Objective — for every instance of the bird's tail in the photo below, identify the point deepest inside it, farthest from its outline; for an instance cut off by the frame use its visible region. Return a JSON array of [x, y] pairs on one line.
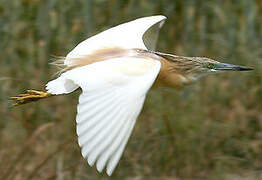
[[29, 96]]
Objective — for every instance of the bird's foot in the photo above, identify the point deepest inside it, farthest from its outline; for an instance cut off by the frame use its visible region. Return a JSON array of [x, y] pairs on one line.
[[29, 96]]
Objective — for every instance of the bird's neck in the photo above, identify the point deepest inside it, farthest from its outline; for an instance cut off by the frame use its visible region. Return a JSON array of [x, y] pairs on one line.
[[175, 80]]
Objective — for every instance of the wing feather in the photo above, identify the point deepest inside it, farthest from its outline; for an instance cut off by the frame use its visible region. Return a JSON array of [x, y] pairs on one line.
[[90, 101], [114, 130], [119, 151], [104, 128], [113, 95], [89, 117]]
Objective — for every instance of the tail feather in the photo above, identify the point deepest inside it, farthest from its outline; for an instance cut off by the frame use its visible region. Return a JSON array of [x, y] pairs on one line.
[[61, 85]]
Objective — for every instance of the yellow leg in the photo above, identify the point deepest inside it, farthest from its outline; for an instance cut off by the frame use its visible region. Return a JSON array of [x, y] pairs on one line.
[[29, 96]]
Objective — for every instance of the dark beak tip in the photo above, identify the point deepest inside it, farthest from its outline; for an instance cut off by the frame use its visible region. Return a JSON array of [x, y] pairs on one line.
[[231, 67], [243, 68]]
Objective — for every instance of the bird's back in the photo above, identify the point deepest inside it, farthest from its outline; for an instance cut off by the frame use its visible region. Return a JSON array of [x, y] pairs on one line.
[[165, 78]]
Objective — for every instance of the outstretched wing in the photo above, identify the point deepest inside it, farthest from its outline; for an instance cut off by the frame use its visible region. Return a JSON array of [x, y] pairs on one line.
[[113, 93], [141, 33]]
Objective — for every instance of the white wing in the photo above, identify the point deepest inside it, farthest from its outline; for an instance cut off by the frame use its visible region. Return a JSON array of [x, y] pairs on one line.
[[113, 95], [140, 33]]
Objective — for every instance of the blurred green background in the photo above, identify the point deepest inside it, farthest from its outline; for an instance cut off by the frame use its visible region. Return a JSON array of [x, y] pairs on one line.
[[211, 130]]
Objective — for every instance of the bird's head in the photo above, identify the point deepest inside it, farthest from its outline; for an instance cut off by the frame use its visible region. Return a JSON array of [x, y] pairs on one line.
[[199, 66]]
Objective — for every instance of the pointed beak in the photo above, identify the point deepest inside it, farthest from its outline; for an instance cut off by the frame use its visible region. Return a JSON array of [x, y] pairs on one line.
[[230, 67]]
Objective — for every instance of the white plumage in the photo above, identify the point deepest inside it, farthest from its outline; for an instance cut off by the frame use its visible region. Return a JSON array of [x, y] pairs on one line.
[[134, 34], [113, 90]]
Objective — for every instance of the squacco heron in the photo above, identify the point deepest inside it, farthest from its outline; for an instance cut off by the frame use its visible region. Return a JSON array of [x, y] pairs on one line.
[[115, 69]]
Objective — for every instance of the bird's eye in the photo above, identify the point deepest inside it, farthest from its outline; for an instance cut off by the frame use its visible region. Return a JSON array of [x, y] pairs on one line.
[[210, 66]]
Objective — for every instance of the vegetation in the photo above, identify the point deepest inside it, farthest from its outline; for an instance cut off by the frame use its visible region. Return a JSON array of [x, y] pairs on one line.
[[211, 130]]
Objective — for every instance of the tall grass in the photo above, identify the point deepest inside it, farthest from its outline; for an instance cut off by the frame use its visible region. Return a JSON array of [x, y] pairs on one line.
[[211, 130]]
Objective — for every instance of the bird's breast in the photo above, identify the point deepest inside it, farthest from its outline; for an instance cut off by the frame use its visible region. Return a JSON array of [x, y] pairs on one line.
[[169, 78], [175, 81]]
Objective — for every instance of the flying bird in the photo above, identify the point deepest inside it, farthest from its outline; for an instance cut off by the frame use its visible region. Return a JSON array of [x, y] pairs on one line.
[[115, 69]]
